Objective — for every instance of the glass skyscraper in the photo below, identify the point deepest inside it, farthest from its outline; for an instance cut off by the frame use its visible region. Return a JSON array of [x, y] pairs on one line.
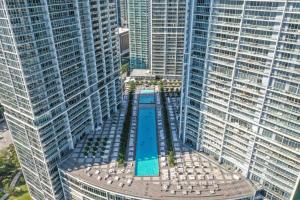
[[124, 13], [59, 80], [241, 88], [139, 33], [156, 31], [167, 38]]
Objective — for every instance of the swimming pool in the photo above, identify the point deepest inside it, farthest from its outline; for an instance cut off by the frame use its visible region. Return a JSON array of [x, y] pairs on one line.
[[147, 91], [146, 147], [145, 99]]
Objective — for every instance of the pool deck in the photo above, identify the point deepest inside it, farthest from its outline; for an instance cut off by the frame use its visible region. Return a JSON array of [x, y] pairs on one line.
[[195, 176]]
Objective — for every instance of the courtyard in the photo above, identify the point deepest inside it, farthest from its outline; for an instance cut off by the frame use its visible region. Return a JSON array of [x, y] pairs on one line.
[[191, 175]]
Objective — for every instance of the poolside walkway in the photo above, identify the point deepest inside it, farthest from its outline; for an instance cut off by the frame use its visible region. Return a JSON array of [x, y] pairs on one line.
[[160, 129], [132, 134]]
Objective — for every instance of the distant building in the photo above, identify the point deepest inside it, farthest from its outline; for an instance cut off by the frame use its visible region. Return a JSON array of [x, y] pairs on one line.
[[118, 13], [139, 33], [167, 38], [124, 44], [124, 13], [141, 74], [156, 31]]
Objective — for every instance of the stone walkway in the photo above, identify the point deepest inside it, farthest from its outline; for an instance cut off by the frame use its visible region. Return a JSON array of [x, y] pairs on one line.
[[174, 107], [160, 130]]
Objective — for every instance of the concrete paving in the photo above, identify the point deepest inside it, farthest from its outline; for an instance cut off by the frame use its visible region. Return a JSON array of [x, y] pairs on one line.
[[5, 137]]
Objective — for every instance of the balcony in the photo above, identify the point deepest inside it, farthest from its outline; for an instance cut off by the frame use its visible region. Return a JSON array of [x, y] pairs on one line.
[[216, 137], [265, 8], [226, 15], [228, 6], [233, 136], [242, 148], [265, 18], [272, 37]]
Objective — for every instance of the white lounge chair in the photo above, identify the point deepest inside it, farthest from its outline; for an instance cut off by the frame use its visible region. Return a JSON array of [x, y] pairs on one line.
[[129, 182], [165, 187], [106, 176]]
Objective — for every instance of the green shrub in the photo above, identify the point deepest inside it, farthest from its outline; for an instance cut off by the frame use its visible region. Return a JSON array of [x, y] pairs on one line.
[[126, 126], [171, 158]]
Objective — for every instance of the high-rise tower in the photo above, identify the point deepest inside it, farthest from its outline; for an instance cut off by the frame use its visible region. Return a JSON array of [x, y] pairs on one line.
[[241, 91], [124, 13], [139, 33], [167, 37], [156, 31], [59, 79]]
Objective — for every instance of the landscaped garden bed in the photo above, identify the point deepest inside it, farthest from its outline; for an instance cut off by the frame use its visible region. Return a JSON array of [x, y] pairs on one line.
[[92, 147], [126, 126], [9, 167]]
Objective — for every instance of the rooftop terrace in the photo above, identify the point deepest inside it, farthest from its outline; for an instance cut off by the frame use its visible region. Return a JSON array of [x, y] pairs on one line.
[[195, 176]]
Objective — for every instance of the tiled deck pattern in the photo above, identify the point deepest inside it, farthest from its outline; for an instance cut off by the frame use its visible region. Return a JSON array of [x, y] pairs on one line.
[[195, 176]]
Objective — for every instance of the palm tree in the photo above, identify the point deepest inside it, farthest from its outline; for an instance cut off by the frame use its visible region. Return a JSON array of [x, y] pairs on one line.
[[124, 68], [1, 111]]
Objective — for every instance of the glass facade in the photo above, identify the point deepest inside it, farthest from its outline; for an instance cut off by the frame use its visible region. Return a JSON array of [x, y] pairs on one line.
[[76, 189], [156, 31], [241, 91], [59, 79], [124, 13], [167, 37], [139, 33]]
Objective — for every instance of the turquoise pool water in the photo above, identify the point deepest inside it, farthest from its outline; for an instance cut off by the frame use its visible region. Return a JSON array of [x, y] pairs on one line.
[[145, 99], [147, 91], [146, 146]]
